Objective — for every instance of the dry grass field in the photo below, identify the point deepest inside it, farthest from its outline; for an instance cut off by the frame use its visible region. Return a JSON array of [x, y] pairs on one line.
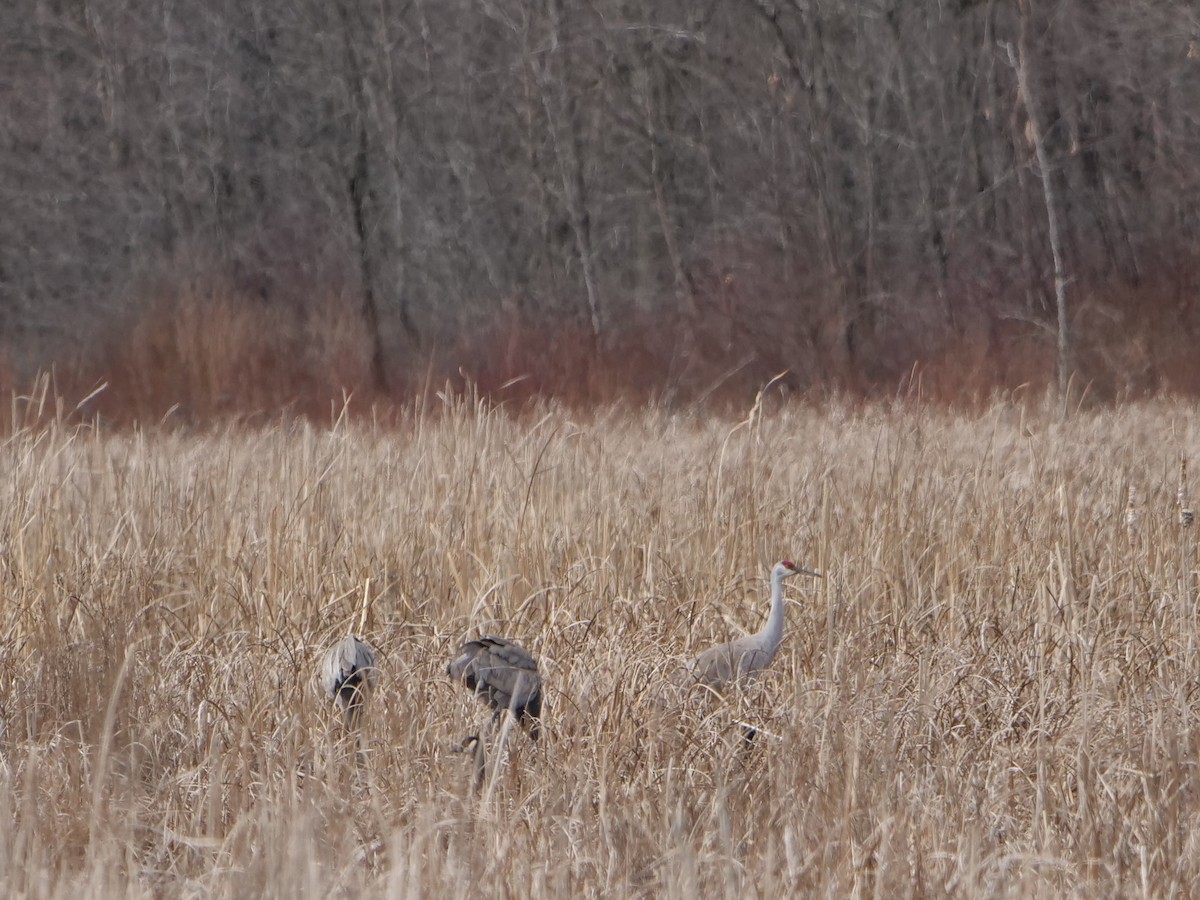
[[994, 691]]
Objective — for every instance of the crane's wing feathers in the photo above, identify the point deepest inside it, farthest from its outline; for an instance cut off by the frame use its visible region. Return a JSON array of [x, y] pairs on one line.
[[725, 663], [501, 674]]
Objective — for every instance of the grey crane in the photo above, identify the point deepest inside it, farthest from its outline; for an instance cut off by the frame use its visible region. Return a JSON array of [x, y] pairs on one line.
[[503, 676], [740, 660], [348, 673]]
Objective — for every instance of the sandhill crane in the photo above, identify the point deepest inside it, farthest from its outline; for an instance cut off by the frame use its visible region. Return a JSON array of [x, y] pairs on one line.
[[742, 659], [347, 676], [504, 677]]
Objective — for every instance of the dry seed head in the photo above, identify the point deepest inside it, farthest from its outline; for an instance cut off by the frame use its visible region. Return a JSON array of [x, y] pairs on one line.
[[1131, 516]]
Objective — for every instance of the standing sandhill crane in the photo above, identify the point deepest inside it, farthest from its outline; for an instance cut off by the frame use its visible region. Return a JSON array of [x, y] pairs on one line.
[[504, 677], [742, 659], [347, 675]]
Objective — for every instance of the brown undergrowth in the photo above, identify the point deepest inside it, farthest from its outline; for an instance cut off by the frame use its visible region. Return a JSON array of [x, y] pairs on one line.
[[221, 355]]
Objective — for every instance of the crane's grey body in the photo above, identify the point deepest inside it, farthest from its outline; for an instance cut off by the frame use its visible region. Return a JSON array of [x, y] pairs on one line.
[[503, 676], [347, 675], [740, 660]]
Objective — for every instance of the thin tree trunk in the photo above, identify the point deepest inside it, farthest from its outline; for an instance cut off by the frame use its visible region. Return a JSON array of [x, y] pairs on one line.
[[1019, 62], [658, 177], [815, 84], [935, 242], [359, 185], [564, 137]]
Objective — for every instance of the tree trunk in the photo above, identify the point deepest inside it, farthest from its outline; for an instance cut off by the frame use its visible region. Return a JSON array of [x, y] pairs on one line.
[[1019, 62], [361, 197]]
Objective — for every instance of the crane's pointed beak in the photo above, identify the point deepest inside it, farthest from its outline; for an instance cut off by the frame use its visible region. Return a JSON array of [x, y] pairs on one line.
[[813, 572]]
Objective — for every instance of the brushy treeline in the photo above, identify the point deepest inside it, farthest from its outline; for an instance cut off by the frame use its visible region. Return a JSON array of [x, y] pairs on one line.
[[693, 193], [993, 691]]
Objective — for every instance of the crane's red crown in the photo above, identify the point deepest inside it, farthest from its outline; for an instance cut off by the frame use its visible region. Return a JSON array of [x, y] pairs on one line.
[[789, 564]]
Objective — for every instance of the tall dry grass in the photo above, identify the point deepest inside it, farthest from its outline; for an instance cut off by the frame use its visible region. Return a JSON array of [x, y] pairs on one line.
[[993, 693]]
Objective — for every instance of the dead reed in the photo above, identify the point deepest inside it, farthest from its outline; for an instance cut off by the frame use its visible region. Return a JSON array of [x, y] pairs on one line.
[[993, 693]]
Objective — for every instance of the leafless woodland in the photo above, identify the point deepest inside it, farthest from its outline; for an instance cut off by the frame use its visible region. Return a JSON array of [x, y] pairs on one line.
[[686, 194]]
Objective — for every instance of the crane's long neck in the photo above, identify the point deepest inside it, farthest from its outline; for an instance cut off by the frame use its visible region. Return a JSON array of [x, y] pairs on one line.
[[772, 632]]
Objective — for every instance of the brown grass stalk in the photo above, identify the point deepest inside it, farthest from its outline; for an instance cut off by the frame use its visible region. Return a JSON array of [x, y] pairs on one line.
[[992, 693]]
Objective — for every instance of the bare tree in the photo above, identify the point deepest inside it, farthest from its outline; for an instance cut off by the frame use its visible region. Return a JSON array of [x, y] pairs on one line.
[[1019, 61], [845, 187]]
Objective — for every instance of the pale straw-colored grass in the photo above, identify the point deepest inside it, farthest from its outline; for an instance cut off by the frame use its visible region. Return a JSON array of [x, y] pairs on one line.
[[994, 691]]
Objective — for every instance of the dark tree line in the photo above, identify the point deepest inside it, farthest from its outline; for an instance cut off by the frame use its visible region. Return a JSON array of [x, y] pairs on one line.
[[853, 185]]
